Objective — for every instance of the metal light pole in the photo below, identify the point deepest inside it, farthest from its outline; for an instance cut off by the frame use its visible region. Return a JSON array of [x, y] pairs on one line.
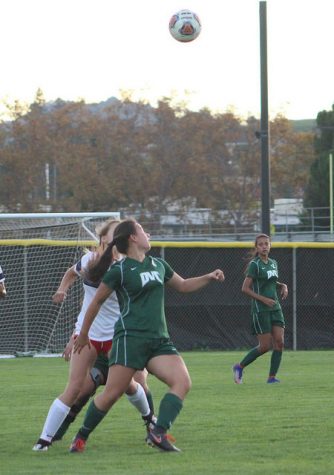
[[264, 133]]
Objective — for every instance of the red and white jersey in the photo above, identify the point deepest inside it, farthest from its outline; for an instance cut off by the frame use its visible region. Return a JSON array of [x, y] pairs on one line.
[[102, 328], [2, 277]]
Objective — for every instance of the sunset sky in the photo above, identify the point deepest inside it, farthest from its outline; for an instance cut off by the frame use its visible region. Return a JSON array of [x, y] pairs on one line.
[[92, 49]]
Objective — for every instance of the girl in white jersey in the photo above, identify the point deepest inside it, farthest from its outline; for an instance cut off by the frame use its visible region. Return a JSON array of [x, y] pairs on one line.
[[100, 336]]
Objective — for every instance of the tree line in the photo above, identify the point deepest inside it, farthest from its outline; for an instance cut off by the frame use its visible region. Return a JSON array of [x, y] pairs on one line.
[[72, 157]]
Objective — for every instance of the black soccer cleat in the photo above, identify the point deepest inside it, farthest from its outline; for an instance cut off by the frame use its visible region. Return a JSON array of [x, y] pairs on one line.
[[160, 440], [41, 446]]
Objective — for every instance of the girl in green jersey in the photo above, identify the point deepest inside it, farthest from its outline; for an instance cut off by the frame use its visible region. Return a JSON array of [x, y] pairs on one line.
[[141, 337], [260, 284]]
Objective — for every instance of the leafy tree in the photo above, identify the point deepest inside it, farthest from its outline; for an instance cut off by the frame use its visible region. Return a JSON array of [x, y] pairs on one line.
[[317, 190], [71, 156], [291, 157]]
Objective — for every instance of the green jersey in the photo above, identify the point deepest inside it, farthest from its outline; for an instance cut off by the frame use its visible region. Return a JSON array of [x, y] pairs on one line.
[[265, 276], [140, 291]]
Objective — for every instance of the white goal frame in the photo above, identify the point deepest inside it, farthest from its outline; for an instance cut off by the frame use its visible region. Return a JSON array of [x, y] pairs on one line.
[[35, 251]]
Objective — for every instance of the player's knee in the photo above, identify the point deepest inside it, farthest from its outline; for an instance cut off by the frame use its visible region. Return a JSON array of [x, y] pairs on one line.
[[141, 378], [97, 377], [279, 345], [188, 384], [264, 348], [184, 385]]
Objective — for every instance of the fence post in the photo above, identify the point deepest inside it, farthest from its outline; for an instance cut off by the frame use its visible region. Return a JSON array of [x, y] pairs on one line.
[[25, 302], [294, 299]]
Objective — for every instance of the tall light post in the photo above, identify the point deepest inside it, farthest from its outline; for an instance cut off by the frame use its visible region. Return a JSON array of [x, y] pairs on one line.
[[264, 133]]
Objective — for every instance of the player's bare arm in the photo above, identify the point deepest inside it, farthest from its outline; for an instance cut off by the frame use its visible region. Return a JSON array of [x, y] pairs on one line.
[[283, 290], [195, 283], [3, 291], [247, 289], [66, 282]]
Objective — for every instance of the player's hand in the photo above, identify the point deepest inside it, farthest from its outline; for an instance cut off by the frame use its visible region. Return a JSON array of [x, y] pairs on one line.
[[284, 291], [59, 296], [217, 274], [80, 342], [68, 349], [269, 302]]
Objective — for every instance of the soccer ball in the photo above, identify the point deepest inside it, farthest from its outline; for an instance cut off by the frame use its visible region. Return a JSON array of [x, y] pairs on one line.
[[184, 26]]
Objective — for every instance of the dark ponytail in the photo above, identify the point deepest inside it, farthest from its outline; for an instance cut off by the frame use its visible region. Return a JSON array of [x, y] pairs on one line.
[[98, 268], [121, 240]]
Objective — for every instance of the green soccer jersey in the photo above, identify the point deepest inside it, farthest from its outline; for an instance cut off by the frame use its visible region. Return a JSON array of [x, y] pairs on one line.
[[140, 291], [265, 276]]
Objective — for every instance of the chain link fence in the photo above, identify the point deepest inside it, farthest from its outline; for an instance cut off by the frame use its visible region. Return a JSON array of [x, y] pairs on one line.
[[216, 317]]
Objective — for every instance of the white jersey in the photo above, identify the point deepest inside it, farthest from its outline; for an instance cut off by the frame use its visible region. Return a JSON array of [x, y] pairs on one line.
[[2, 277], [102, 328]]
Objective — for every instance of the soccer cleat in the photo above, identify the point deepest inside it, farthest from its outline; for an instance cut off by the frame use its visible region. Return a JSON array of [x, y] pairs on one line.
[[41, 446], [149, 421], [272, 380], [237, 373], [78, 444], [161, 440]]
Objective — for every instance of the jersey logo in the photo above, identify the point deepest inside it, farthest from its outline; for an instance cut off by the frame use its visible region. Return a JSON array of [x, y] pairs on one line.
[[149, 276], [272, 273]]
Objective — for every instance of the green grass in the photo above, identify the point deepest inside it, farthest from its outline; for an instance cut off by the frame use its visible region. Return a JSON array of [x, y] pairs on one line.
[[224, 428]]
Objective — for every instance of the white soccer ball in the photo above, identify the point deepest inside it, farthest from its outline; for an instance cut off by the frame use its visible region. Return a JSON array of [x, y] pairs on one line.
[[185, 26]]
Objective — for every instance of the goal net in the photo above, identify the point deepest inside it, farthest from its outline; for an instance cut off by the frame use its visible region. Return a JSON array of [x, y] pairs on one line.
[[35, 252]]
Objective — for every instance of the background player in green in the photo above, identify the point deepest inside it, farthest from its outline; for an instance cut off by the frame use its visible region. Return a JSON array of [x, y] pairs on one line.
[[141, 337], [261, 283]]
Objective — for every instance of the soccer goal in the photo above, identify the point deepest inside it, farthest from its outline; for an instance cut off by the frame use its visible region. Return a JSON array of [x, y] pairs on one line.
[[35, 251]]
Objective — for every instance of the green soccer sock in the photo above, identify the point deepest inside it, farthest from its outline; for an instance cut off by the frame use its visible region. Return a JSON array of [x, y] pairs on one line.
[[92, 418], [169, 409], [250, 357], [275, 362], [150, 401]]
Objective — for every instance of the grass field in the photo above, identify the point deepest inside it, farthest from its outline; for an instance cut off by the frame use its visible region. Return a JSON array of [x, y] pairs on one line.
[[224, 428]]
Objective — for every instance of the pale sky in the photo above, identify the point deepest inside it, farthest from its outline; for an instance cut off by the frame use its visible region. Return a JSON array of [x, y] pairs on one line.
[[92, 49]]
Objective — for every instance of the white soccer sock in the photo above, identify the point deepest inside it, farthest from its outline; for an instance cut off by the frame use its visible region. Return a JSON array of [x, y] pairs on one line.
[[139, 400], [56, 415]]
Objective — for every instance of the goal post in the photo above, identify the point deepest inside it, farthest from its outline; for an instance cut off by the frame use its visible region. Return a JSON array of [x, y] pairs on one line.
[[35, 251]]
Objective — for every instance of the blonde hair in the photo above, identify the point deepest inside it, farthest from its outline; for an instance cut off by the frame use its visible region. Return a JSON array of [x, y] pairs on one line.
[[100, 231], [103, 228]]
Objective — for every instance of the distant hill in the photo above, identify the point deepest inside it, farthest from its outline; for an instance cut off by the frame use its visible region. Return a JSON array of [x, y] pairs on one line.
[[304, 125]]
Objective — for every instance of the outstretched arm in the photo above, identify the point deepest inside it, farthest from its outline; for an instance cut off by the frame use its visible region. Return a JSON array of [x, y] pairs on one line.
[[66, 282], [102, 293], [194, 283]]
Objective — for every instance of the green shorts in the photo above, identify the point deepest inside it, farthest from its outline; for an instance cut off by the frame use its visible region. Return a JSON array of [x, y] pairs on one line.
[[102, 364], [135, 352], [262, 322]]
